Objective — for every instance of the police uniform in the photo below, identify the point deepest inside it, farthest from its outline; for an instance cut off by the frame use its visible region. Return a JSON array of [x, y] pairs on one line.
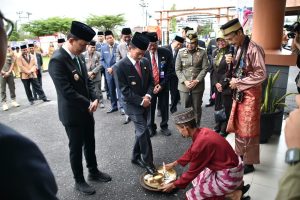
[[192, 65]]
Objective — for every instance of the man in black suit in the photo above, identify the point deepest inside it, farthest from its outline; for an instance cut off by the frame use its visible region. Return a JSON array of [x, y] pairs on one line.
[[173, 82], [24, 171], [161, 65], [39, 62], [76, 104], [134, 77]]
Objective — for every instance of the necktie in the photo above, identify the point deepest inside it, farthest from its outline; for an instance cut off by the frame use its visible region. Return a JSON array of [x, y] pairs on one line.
[[110, 50], [138, 68], [155, 70], [77, 64]]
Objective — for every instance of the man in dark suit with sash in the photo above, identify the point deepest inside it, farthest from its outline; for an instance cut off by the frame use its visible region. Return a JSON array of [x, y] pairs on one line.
[[76, 104], [134, 77]]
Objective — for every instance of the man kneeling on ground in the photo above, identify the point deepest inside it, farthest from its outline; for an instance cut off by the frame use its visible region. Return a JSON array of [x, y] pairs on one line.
[[215, 171]]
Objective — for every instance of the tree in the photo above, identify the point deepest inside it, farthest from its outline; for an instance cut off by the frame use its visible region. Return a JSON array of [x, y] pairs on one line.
[[173, 20], [15, 36], [106, 22], [204, 29], [48, 26]]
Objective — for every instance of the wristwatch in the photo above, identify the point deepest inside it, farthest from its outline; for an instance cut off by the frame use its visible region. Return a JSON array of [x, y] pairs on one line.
[[292, 156]]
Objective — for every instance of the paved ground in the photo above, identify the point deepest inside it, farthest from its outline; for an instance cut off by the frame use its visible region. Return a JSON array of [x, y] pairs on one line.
[[113, 144]]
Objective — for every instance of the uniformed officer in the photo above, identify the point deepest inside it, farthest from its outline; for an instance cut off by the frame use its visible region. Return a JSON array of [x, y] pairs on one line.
[[191, 67], [92, 60]]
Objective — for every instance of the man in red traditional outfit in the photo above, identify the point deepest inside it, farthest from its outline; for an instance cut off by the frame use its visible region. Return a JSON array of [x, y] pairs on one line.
[[248, 73], [215, 170]]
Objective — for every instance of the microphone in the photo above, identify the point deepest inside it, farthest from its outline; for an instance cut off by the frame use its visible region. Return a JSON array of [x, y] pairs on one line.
[[231, 50]]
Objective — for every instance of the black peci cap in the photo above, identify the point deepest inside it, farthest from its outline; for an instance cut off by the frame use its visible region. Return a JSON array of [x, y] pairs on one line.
[[140, 41], [31, 45], [24, 46], [187, 28], [108, 32], [179, 39], [61, 40], [152, 36], [82, 31], [126, 31], [93, 43], [100, 33]]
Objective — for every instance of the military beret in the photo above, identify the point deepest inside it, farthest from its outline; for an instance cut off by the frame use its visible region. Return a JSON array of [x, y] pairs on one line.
[[93, 43], [126, 31], [191, 37], [140, 41], [100, 33], [231, 26], [183, 116], [187, 28], [61, 40], [82, 31], [24, 46], [152, 36], [108, 32], [31, 45], [179, 39], [220, 35]]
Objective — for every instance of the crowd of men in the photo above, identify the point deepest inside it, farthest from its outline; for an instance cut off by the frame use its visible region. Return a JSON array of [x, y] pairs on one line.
[[140, 76]]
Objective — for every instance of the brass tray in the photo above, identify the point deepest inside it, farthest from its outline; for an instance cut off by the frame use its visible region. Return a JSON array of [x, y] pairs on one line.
[[155, 186]]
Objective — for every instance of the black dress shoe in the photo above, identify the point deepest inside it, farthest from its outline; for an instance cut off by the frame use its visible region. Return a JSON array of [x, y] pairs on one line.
[[152, 132], [112, 110], [99, 176], [150, 169], [31, 102], [248, 169], [127, 119], [46, 100], [84, 188], [245, 189], [165, 132], [173, 110], [209, 104], [138, 162]]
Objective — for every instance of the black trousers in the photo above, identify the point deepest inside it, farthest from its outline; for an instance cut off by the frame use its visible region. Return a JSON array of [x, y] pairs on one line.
[[39, 78], [163, 99], [142, 147], [175, 96], [212, 88], [82, 135], [36, 86]]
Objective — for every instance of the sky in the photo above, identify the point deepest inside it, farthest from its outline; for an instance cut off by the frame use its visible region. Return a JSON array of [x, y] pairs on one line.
[[133, 12]]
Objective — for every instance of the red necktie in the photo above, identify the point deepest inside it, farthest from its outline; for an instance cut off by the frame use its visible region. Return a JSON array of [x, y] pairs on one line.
[[138, 68], [155, 70]]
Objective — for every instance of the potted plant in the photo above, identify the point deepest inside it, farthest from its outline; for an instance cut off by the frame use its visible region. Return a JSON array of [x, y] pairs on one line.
[[271, 109]]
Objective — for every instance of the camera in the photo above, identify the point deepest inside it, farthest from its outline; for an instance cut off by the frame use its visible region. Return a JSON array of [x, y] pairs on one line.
[[295, 27], [225, 83]]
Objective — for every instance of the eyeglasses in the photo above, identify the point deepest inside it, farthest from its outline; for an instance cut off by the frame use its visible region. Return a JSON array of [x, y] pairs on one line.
[[7, 24]]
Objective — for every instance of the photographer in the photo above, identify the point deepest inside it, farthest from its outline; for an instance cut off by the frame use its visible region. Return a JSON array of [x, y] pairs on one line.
[[296, 50], [220, 79]]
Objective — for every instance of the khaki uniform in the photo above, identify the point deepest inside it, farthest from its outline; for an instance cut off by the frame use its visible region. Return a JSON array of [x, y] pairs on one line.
[[192, 66]]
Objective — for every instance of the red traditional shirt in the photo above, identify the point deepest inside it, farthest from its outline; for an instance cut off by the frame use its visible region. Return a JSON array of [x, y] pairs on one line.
[[208, 150]]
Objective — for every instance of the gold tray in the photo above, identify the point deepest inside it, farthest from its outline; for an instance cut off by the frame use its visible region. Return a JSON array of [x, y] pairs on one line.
[[172, 176]]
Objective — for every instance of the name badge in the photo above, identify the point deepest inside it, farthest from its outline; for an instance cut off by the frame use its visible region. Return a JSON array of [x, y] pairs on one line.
[[133, 83], [162, 74]]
